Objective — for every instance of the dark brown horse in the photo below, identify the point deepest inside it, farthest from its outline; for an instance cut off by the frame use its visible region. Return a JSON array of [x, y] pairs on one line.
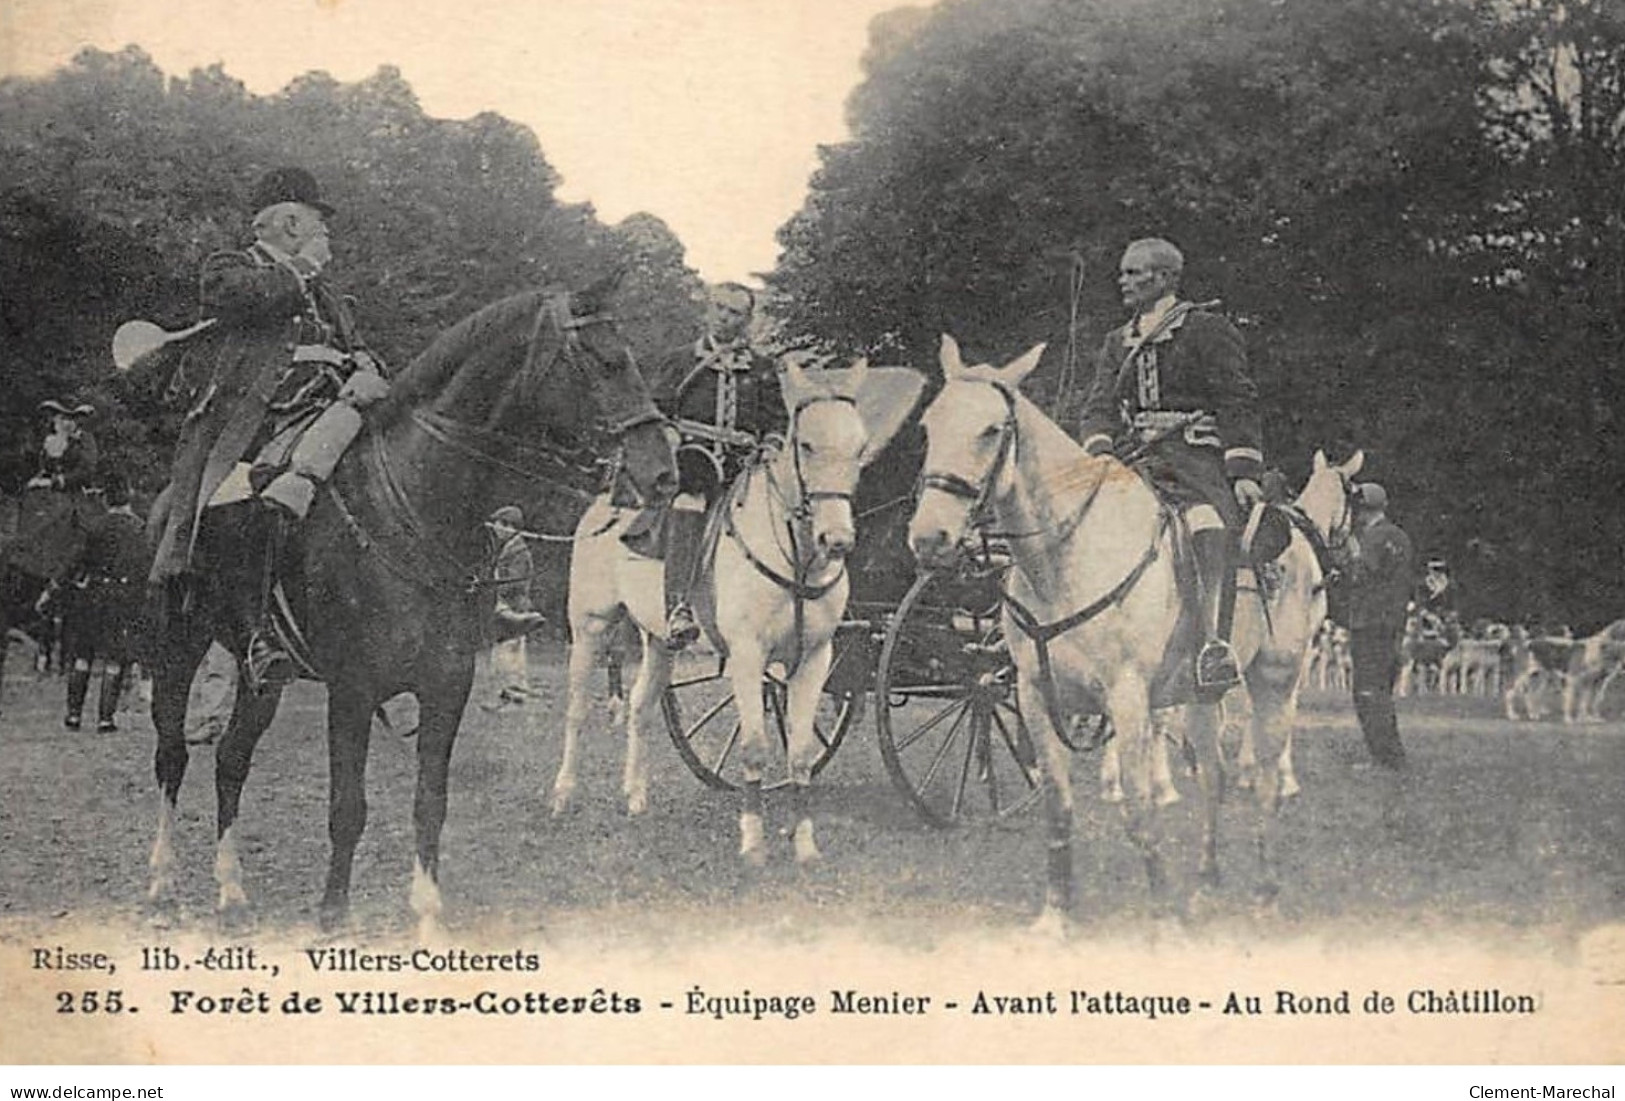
[[391, 584]]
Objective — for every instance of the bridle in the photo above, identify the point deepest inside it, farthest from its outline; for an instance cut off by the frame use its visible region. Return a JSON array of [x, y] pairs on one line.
[[564, 469], [806, 495], [979, 495], [798, 524]]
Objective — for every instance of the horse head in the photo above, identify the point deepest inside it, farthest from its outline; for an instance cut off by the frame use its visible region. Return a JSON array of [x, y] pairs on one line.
[[544, 371], [1328, 498], [970, 434], [839, 421]]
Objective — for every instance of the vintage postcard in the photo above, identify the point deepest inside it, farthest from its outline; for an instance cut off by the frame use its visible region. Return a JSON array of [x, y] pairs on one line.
[[914, 768]]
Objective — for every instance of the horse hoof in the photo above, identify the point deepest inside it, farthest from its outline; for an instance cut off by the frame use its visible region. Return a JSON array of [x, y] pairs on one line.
[[163, 913], [432, 933], [637, 805], [1051, 924], [235, 920], [754, 857], [333, 917], [561, 804]]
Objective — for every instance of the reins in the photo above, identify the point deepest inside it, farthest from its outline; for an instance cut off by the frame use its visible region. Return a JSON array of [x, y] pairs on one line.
[[480, 444], [797, 518], [980, 516]]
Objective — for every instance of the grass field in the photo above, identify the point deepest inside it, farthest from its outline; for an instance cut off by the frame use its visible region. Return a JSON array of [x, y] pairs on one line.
[[1499, 828]]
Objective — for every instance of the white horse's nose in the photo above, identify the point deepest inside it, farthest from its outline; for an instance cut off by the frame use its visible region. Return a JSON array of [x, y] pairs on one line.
[[931, 546], [836, 543]]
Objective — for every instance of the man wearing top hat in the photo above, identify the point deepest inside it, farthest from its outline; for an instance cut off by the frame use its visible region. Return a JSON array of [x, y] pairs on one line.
[[68, 454], [289, 377]]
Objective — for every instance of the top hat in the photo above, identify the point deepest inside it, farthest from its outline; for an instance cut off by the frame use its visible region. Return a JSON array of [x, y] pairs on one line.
[[289, 185]]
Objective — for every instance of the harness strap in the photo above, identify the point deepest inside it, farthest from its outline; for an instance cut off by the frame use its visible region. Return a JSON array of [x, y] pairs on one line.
[[796, 586], [1043, 634]]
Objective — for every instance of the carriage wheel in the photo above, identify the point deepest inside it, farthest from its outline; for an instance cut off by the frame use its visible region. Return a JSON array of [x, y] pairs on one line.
[[704, 723], [950, 731]]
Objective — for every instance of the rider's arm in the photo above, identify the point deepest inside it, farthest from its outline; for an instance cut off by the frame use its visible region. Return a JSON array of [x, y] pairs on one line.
[[1234, 397], [1101, 419], [234, 286]]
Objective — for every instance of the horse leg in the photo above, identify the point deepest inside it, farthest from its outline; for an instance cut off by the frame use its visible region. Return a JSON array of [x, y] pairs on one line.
[[1202, 727], [1163, 791], [746, 675], [349, 731], [586, 642], [643, 715], [801, 707], [1111, 773], [1274, 687], [441, 710], [250, 717], [1128, 703], [1055, 919], [171, 684]]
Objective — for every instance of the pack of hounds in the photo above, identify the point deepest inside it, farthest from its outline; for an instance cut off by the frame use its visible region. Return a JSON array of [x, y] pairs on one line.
[[1536, 676]]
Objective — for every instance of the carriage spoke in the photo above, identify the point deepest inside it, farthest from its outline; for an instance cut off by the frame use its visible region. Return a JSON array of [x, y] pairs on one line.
[[712, 712], [930, 724], [727, 748], [942, 750], [1020, 744], [1020, 750], [976, 735]]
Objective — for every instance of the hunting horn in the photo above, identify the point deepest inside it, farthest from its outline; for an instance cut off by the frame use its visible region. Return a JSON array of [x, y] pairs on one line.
[[135, 340]]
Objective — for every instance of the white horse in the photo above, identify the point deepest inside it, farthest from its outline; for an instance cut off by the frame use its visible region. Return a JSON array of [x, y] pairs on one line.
[[1094, 613], [774, 591]]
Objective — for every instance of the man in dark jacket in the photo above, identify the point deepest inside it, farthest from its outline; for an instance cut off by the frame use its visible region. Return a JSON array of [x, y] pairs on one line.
[[290, 376], [1379, 574], [726, 398], [103, 610], [1171, 388]]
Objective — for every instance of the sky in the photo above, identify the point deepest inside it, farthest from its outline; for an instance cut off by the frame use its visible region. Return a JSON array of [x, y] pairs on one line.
[[706, 113]]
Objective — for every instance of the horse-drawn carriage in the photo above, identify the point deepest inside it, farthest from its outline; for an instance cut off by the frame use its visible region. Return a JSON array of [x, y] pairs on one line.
[[924, 649]]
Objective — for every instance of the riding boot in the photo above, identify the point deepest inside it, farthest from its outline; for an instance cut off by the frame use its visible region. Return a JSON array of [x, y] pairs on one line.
[[78, 688], [269, 664], [107, 702], [684, 560], [1216, 668]]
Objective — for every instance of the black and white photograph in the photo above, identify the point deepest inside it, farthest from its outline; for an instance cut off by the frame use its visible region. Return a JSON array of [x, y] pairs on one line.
[[814, 532]]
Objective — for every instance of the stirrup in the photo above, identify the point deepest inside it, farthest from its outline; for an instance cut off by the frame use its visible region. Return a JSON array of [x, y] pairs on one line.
[[268, 665], [1216, 668], [682, 631]]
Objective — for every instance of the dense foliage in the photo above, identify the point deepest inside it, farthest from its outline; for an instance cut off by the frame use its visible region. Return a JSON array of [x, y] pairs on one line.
[[1413, 207], [119, 181]]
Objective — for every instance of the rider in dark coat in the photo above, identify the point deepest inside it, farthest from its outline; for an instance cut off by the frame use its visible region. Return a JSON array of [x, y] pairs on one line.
[[1173, 384], [286, 350], [723, 382]]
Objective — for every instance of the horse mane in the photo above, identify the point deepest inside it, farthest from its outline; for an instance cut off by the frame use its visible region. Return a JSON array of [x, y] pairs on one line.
[[430, 371]]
